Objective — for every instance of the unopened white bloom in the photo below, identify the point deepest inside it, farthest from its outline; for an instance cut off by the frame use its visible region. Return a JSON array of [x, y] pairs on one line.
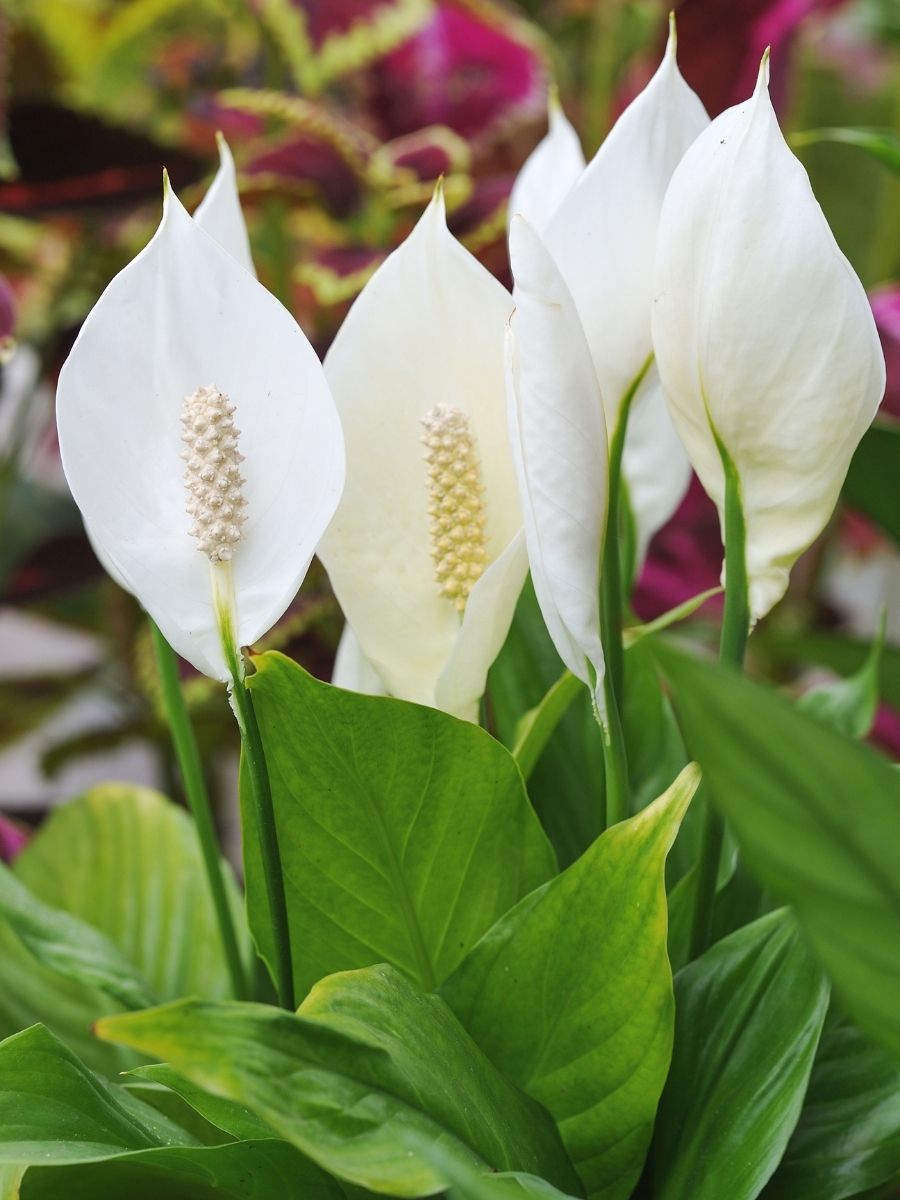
[[426, 553], [602, 236], [200, 441], [559, 440], [763, 335]]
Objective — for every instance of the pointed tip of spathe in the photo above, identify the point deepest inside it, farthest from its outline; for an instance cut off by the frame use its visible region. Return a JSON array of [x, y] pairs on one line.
[[762, 79], [554, 107], [225, 156], [672, 41]]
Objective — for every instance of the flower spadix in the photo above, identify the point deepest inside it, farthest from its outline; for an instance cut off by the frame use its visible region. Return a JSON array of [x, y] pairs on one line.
[[426, 553], [200, 441], [764, 336], [558, 433], [602, 233]]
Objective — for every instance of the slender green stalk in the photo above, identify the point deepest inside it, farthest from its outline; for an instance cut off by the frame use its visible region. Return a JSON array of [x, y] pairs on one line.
[[735, 629], [198, 801], [611, 569], [618, 790], [611, 607], [264, 813], [260, 788]]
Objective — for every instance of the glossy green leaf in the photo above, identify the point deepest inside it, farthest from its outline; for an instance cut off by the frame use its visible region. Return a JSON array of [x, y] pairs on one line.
[[882, 144], [467, 1183], [570, 994], [818, 820], [848, 1137], [536, 727], [566, 784], [68, 946], [849, 705], [366, 1064], [872, 479], [267, 1170], [229, 1116], [127, 861], [54, 1110], [404, 832], [749, 1016]]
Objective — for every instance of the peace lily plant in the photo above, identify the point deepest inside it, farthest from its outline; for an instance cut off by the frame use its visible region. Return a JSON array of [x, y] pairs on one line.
[[523, 965]]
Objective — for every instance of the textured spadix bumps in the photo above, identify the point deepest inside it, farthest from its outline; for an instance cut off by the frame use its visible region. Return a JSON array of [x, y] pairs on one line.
[[184, 315], [420, 355], [763, 336]]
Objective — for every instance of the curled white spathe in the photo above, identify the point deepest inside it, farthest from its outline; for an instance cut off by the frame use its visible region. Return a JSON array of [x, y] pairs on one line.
[[763, 336], [183, 315]]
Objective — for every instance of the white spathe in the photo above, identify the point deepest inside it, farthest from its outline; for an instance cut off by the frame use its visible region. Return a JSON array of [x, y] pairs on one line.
[[427, 330], [558, 432], [602, 236], [763, 335], [183, 315], [549, 173], [220, 214]]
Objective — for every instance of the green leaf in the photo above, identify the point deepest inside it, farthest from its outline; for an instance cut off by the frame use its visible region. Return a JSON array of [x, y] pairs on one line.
[[404, 832], [366, 1065], [232, 1118], [749, 1015], [848, 1136], [849, 705], [570, 994], [566, 785], [467, 1183], [871, 481], [238, 1171], [127, 861], [882, 144], [536, 727], [54, 1110], [818, 820], [71, 947]]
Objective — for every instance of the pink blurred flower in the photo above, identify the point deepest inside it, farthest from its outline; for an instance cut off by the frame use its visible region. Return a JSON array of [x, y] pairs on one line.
[[13, 837], [7, 312], [684, 559], [886, 307]]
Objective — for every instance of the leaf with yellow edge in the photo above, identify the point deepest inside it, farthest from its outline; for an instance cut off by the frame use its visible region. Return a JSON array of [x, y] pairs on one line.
[[570, 994]]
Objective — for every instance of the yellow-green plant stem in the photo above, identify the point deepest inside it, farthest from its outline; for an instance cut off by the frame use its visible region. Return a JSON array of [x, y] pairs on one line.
[[198, 801], [260, 790], [618, 790], [733, 641], [264, 814]]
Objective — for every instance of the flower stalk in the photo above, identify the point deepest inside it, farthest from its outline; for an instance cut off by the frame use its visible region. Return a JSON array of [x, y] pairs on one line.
[[732, 643], [198, 801]]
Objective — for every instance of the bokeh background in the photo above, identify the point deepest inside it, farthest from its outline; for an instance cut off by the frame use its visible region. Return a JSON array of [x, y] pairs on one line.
[[341, 114]]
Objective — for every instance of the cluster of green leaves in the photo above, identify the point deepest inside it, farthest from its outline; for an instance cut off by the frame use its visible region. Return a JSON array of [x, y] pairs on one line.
[[476, 1021]]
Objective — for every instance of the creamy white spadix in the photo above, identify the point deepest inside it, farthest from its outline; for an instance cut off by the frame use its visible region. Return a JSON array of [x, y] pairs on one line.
[[200, 441], [763, 335], [602, 237], [426, 553]]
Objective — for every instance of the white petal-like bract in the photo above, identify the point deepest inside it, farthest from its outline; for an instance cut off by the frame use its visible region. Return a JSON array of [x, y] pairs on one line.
[[763, 336], [558, 431], [181, 316], [220, 214], [425, 334], [549, 173]]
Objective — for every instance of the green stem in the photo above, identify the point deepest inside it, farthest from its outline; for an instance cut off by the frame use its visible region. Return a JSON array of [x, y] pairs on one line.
[[611, 567], [618, 791], [735, 629], [198, 801], [615, 758], [264, 820]]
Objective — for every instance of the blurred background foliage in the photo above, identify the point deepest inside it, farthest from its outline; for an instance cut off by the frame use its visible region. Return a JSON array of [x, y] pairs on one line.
[[341, 115]]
